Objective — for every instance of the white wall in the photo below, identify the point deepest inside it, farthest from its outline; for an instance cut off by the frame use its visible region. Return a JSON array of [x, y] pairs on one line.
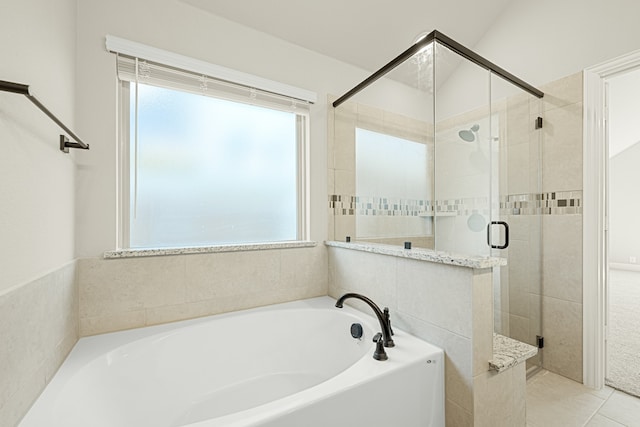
[[36, 179], [624, 205], [177, 27], [545, 40], [38, 294], [624, 157], [624, 106]]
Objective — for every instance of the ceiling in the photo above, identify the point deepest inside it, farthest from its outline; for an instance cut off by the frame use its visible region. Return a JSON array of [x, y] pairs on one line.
[[364, 33]]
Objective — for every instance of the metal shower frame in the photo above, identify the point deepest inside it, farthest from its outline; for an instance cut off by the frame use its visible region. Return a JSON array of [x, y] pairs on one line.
[[461, 50]]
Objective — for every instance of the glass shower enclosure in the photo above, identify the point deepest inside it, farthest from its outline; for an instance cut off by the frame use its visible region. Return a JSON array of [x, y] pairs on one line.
[[441, 148]]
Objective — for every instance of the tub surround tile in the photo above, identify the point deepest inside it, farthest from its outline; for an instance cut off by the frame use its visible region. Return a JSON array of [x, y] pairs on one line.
[[38, 326], [375, 277], [422, 254], [414, 290], [422, 287], [130, 284], [18, 404], [112, 322], [508, 352], [304, 268], [118, 294], [228, 274], [458, 356]]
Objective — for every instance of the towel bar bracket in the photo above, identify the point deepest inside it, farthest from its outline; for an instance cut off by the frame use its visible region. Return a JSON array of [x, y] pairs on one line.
[[65, 144]]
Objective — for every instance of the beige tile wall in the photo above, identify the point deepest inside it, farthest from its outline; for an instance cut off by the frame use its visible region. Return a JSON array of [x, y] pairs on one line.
[[118, 294], [562, 234], [448, 306], [38, 326], [500, 398]]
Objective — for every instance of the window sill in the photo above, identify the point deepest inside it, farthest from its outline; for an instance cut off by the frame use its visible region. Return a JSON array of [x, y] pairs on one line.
[[241, 247]]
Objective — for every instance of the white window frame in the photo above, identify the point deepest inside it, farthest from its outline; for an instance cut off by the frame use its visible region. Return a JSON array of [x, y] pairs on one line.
[[137, 50]]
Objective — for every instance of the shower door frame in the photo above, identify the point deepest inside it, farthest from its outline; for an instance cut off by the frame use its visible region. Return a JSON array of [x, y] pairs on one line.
[[453, 45]]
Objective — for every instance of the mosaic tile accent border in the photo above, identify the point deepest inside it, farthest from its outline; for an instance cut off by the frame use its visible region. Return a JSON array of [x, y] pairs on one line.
[[379, 206], [553, 203]]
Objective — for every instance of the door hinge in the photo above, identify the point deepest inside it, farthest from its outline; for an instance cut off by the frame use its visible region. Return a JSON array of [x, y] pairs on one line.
[[539, 123], [540, 341]]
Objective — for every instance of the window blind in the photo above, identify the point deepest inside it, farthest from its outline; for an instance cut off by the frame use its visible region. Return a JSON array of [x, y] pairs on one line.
[[138, 70]]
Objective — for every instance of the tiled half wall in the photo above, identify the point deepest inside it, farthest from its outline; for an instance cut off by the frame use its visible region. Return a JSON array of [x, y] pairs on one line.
[[38, 326]]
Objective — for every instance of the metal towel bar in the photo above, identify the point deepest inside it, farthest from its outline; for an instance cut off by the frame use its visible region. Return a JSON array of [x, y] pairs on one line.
[[65, 144]]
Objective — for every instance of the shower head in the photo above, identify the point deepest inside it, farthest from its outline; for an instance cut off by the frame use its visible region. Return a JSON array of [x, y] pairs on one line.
[[469, 135]]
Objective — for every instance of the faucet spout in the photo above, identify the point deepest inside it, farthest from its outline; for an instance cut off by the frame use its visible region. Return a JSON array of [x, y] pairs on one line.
[[383, 318]]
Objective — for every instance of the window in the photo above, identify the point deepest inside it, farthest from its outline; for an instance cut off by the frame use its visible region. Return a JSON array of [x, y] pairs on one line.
[[393, 187], [206, 162]]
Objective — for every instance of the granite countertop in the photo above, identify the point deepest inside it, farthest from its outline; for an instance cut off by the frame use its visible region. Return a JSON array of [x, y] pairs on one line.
[[422, 254], [508, 352]]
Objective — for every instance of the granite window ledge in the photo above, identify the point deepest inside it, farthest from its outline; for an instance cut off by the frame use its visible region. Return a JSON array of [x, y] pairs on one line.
[[241, 247]]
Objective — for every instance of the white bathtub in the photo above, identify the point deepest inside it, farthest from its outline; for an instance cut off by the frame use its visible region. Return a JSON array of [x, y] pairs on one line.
[[293, 364]]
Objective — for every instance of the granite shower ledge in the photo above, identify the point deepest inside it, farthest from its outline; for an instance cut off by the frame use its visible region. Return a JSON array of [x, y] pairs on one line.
[[134, 253], [508, 352], [422, 254]]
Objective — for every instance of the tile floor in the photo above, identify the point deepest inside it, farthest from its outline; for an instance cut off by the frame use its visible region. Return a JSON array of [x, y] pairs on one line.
[[555, 401]]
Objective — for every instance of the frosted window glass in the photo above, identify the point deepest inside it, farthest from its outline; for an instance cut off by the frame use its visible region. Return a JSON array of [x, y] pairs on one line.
[[210, 171], [387, 166], [392, 172]]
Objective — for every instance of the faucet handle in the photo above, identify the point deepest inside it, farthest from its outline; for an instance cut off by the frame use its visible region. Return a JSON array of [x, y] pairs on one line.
[[387, 319], [379, 353]]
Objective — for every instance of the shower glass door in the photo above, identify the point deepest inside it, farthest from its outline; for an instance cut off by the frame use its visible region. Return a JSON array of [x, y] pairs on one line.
[[516, 189]]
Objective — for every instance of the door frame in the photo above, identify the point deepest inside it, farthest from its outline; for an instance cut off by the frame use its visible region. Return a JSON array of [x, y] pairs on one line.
[[594, 229]]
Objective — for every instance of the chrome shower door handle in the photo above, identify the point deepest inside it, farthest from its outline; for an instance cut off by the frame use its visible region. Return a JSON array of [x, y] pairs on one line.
[[506, 234]]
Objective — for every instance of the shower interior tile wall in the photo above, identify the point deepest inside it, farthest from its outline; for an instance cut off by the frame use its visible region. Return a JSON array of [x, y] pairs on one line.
[[120, 294], [38, 326], [562, 234]]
